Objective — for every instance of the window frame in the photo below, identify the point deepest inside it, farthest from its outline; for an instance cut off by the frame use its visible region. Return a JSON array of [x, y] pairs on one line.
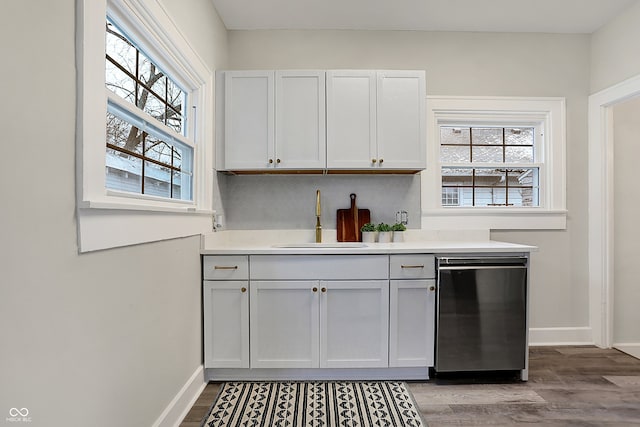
[[546, 112], [537, 147], [110, 218]]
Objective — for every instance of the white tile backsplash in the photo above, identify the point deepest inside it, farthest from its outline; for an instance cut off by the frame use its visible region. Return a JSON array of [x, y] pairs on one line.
[[288, 201]]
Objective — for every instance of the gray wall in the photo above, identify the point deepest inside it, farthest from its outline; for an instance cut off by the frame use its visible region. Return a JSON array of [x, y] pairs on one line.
[[615, 52], [456, 64], [626, 118], [105, 338]]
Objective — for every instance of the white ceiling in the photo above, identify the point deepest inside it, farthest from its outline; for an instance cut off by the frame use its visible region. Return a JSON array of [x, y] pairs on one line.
[[548, 16]]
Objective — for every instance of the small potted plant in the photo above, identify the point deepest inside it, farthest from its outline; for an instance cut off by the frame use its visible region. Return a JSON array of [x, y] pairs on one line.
[[384, 232], [368, 232], [398, 231]]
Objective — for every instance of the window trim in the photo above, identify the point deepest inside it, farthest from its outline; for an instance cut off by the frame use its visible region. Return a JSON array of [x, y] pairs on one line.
[[108, 218], [550, 111]]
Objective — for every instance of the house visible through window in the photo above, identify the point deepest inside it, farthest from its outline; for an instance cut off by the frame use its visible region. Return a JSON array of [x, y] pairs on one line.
[[147, 148], [489, 166]]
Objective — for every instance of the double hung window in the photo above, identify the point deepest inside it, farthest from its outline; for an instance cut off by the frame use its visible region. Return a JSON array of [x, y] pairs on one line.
[[494, 162], [147, 148], [144, 134]]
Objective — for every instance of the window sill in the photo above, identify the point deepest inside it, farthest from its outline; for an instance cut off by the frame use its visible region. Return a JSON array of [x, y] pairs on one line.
[[105, 224], [494, 218], [165, 207]]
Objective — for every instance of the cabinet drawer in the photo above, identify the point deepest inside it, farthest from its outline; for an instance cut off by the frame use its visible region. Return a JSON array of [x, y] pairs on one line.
[[225, 267], [418, 266], [319, 267]]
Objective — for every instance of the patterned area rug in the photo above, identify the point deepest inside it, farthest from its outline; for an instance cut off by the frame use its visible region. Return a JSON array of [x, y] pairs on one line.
[[326, 404]]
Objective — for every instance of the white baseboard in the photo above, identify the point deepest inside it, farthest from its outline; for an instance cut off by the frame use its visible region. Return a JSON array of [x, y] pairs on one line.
[[632, 349], [180, 405], [561, 336]]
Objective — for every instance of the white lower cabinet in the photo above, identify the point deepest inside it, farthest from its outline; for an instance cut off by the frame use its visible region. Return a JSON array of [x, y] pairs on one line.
[[412, 323], [284, 324], [326, 324], [226, 324], [354, 324], [301, 312]]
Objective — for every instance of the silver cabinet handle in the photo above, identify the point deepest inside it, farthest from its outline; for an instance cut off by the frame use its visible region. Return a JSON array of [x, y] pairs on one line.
[[224, 267], [412, 266]]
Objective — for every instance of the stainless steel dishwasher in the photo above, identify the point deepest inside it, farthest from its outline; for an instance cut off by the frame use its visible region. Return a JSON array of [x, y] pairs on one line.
[[481, 322]]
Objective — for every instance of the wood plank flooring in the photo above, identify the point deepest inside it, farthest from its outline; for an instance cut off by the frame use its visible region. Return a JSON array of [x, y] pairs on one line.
[[568, 386]]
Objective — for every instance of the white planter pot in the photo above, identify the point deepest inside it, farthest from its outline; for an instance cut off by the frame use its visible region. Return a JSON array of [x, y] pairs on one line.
[[384, 236], [398, 236], [369, 236]]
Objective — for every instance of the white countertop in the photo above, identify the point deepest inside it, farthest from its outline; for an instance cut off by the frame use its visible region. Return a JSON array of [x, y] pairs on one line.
[[270, 242]]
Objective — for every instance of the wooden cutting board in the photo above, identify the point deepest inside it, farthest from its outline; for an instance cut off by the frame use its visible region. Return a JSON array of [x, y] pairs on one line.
[[350, 220]]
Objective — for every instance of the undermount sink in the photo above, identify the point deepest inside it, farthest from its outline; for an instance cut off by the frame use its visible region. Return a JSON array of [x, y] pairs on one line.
[[322, 245]]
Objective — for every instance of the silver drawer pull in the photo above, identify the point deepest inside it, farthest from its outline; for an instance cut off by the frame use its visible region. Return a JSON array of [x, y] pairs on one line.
[[412, 266], [223, 267]]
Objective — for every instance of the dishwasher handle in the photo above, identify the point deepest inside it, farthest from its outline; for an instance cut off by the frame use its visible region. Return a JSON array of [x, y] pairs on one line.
[[446, 262]]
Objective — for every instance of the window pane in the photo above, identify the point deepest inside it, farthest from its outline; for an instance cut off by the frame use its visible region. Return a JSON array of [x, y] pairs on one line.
[[452, 135], [120, 49], [175, 96], [157, 180], [487, 136], [527, 197], [123, 172], [152, 105], [490, 196], [453, 154], [159, 87], [119, 82], [157, 150], [525, 177], [122, 134], [456, 177], [486, 177], [518, 136], [181, 186], [147, 87], [177, 157], [487, 154], [518, 154]]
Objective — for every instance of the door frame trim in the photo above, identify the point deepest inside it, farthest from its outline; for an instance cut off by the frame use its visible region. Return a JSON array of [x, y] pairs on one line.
[[601, 206]]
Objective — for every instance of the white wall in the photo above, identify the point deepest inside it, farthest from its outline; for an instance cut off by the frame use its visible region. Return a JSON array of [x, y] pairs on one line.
[[615, 51], [626, 118], [474, 64], [100, 339]]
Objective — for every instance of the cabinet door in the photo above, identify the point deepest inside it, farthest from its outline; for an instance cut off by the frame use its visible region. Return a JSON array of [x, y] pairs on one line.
[[351, 119], [401, 120], [284, 324], [411, 323], [354, 324], [249, 120], [226, 324], [300, 120]]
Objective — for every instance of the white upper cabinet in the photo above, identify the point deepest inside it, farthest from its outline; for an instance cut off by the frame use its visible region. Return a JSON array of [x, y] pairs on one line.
[[363, 120], [248, 120], [401, 120], [376, 120], [273, 120], [351, 119], [300, 120]]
